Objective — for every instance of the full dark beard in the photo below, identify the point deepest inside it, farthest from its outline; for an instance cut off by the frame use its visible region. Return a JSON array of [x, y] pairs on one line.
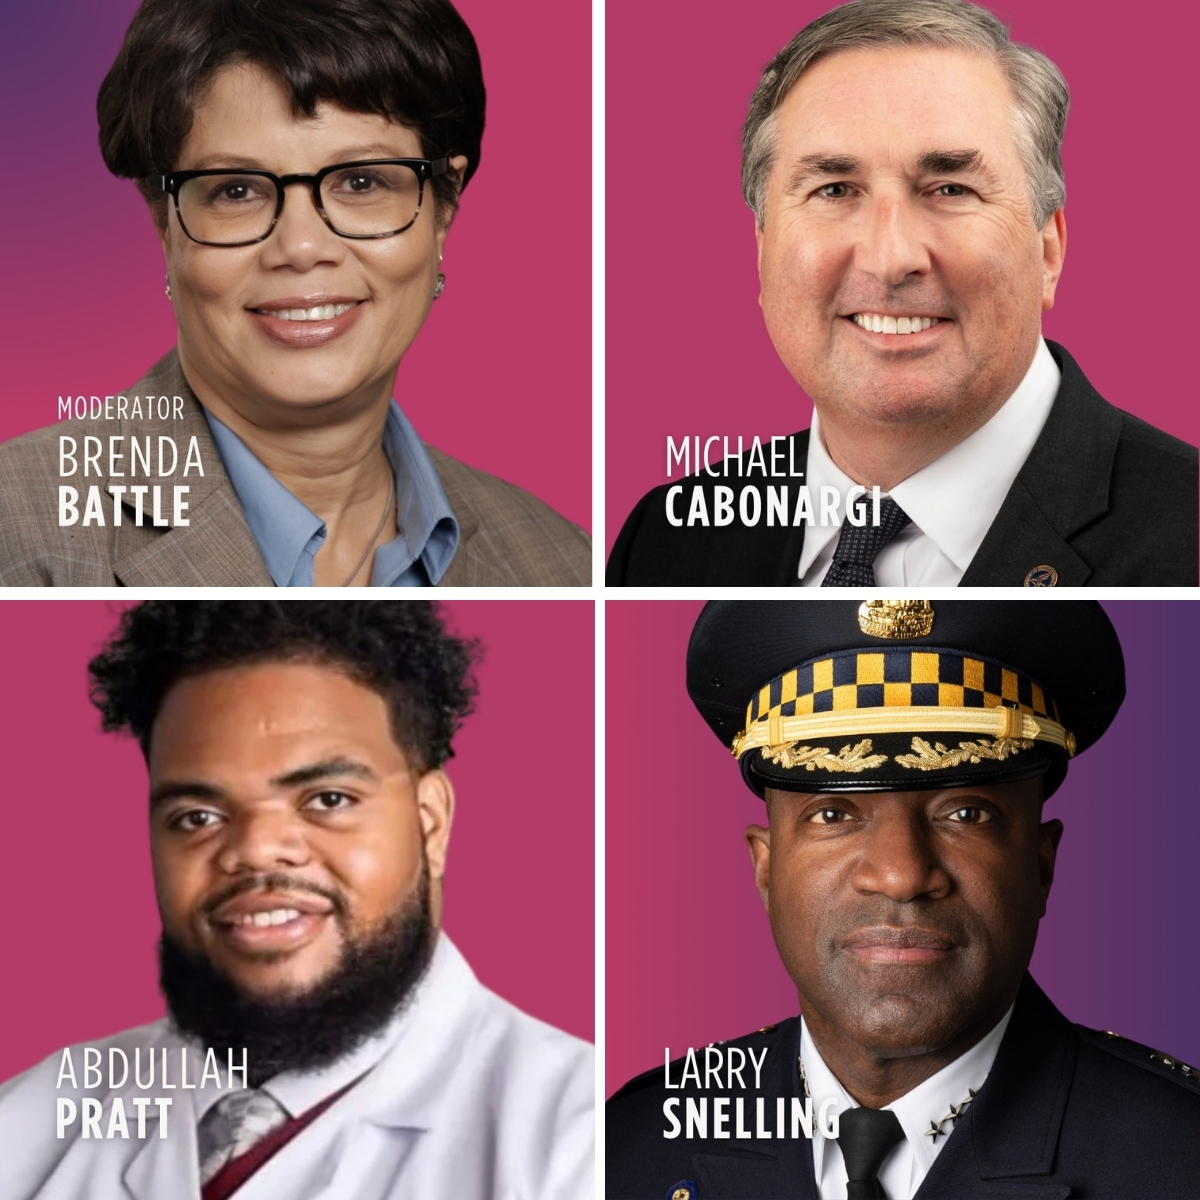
[[310, 1030]]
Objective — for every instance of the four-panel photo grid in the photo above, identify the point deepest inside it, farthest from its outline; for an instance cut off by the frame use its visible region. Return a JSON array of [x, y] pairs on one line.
[[616, 869]]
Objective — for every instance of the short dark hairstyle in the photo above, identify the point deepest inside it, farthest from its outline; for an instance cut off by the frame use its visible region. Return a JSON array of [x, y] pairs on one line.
[[413, 61], [398, 648]]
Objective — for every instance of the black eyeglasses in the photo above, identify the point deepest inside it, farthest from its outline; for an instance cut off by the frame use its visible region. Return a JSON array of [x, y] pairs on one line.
[[378, 198]]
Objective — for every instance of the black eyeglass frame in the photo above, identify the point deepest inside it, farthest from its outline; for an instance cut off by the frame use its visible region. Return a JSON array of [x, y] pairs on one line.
[[424, 167]]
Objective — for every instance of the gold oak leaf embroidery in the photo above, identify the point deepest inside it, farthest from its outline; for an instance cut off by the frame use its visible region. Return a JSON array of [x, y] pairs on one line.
[[849, 759], [937, 757]]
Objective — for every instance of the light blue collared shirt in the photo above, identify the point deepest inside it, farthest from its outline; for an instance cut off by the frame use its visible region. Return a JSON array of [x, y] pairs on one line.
[[289, 533]]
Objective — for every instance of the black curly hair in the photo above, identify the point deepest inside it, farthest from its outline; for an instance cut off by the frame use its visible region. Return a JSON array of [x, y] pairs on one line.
[[398, 648], [413, 61]]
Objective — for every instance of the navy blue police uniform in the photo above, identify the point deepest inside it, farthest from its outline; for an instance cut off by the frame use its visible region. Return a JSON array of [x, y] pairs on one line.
[[905, 695]]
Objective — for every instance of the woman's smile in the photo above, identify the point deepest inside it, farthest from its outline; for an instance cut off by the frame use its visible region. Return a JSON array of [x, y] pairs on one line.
[[242, 309], [303, 321]]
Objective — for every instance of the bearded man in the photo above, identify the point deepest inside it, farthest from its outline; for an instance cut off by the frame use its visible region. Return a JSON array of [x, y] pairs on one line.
[[333, 1040]]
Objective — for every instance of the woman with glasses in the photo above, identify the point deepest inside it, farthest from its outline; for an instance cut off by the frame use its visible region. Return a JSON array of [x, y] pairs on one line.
[[302, 163]]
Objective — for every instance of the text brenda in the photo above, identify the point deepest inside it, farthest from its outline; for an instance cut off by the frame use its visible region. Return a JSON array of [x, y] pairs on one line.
[[138, 454]]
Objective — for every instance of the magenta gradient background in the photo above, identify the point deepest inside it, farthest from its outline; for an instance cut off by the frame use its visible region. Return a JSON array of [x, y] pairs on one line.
[[500, 376], [687, 348], [80, 917], [690, 957]]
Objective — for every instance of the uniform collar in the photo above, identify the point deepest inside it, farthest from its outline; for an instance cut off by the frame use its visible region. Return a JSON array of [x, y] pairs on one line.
[[926, 1105], [954, 499], [289, 533]]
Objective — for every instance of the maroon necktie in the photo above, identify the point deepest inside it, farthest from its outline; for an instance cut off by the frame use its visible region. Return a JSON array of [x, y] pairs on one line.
[[235, 1172]]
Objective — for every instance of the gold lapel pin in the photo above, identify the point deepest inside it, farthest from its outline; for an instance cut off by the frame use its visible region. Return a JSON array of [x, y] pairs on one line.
[[1042, 576]]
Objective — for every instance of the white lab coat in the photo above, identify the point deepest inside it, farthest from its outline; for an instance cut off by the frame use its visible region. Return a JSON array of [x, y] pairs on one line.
[[468, 1099]]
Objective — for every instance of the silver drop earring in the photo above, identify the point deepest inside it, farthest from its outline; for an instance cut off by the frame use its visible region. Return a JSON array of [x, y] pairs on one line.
[[441, 285], [168, 287]]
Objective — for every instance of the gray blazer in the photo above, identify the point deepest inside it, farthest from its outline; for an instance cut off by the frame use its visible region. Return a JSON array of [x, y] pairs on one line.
[[508, 538]]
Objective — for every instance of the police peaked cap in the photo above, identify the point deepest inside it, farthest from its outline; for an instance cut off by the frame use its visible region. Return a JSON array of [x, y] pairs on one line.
[[898, 695]]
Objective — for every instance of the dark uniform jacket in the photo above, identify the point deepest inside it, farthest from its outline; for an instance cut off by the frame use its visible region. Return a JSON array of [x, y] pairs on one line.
[[1065, 1111], [1103, 498]]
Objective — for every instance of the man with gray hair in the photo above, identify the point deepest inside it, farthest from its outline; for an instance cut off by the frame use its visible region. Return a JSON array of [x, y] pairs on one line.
[[903, 162]]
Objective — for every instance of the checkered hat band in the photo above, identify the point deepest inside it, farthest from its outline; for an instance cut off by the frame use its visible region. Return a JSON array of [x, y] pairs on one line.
[[899, 678]]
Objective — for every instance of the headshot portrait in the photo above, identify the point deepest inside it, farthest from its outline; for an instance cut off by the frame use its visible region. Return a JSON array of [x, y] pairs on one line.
[[914, 173], [288, 846], [917, 933], [311, 349]]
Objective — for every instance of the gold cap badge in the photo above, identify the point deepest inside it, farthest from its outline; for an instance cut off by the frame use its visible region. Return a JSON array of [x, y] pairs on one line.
[[895, 619]]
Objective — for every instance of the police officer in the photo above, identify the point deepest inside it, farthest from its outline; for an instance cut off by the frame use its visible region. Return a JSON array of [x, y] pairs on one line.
[[904, 750]]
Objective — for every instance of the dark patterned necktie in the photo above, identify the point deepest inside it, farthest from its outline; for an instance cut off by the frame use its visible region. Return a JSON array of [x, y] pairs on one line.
[[854, 559], [866, 1137]]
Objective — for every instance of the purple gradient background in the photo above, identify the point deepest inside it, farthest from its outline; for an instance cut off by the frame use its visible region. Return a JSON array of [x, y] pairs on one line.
[[687, 349], [500, 376], [80, 918], [690, 957]]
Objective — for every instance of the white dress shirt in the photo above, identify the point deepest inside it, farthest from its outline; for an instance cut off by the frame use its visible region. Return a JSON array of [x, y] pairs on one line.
[[917, 1111], [464, 1098], [952, 501]]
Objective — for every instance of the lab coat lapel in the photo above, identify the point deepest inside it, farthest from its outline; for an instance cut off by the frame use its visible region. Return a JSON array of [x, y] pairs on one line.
[[346, 1151], [357, 1147], [167, 1166]]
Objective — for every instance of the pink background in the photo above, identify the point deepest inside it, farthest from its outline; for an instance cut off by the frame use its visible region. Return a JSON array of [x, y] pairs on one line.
[[81, 922], [689, 955], [500, 377], [687, 349]]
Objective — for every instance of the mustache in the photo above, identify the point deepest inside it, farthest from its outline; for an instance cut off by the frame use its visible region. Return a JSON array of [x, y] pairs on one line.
[[310, 1029], [901, 926], [273, 881]]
